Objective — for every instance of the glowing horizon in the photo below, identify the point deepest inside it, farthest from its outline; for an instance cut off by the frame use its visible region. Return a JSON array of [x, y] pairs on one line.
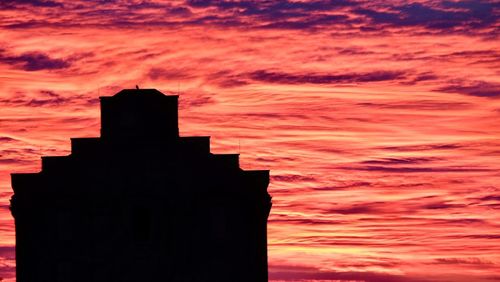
[[378, 120]]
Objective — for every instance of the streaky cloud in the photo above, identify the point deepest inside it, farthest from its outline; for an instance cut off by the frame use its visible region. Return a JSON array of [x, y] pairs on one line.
[[6, 4], [318, 275], [314, 78], [34, 61], [474, 88], [416, 169]]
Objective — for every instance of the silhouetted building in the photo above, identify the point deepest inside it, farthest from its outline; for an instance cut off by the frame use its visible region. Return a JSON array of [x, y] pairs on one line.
[[141, 204]]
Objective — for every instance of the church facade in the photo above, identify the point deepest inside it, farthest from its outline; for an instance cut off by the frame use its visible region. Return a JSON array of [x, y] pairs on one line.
[[141, 203]]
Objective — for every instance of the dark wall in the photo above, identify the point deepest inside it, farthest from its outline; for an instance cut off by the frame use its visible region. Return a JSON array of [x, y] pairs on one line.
[[122, 208]]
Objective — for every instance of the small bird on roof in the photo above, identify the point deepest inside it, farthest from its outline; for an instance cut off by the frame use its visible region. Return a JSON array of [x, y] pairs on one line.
[[136, 86]]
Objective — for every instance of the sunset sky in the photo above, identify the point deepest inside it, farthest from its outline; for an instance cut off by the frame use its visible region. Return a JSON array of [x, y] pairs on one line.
[[379, 120]]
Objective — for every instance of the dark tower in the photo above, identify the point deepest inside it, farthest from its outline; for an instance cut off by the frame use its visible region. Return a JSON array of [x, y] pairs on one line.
[[142, 204]]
